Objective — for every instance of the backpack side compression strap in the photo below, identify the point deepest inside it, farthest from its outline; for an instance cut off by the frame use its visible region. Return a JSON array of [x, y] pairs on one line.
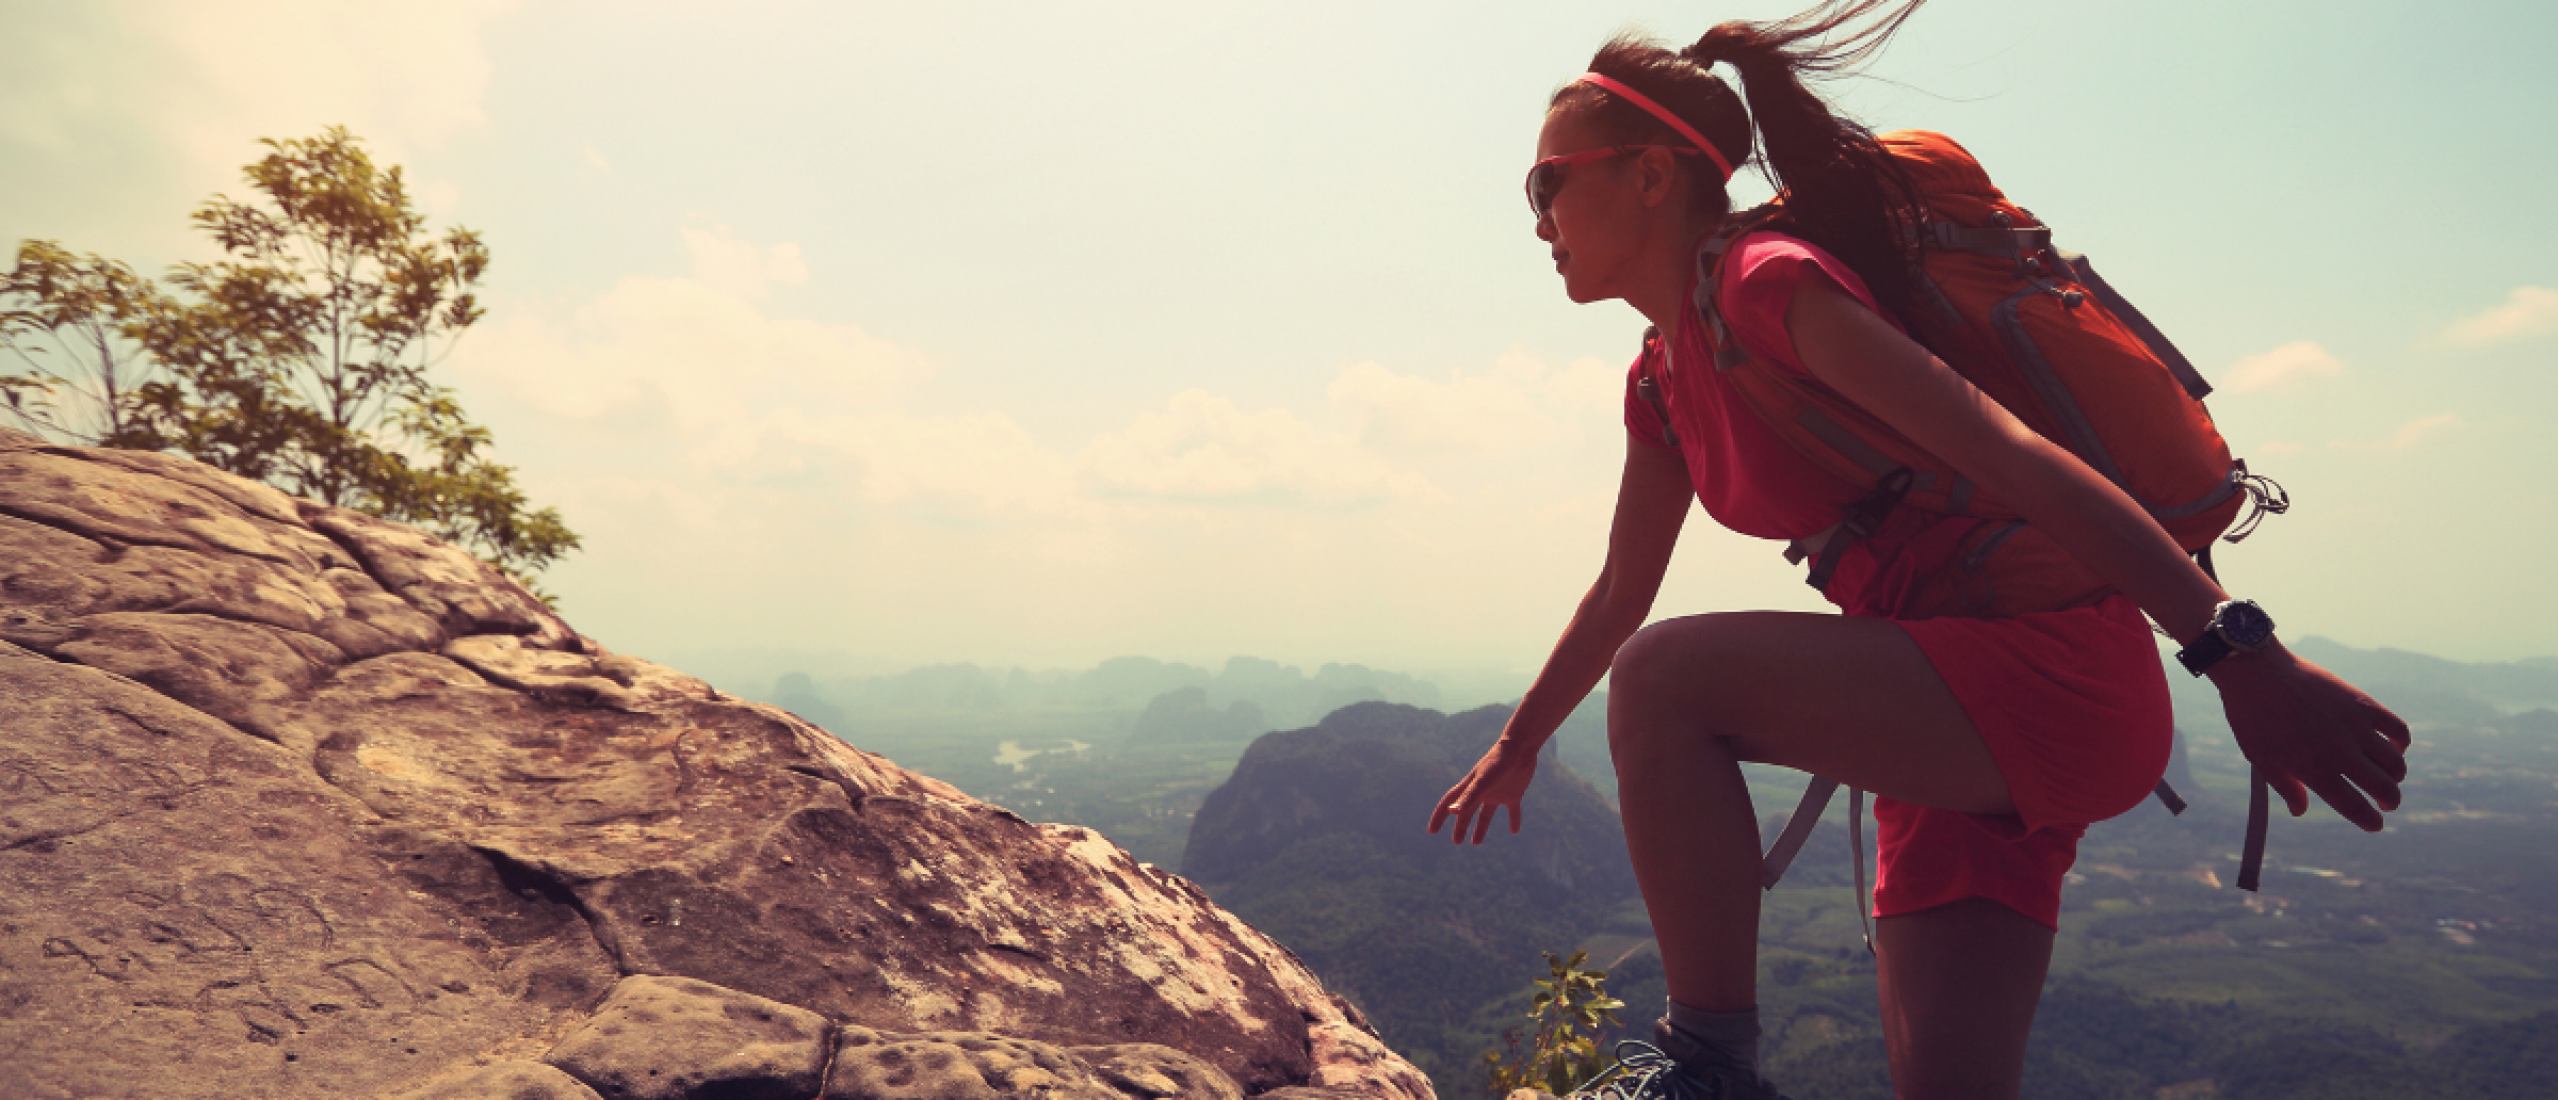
[[2131, 317], [2251, 859], [2260, 818], [1780, 855], [1816, 798]]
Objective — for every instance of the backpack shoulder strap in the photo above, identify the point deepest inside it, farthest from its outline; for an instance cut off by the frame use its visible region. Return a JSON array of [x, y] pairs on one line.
[[1838, 437], [1649, 388], [1710, 258]]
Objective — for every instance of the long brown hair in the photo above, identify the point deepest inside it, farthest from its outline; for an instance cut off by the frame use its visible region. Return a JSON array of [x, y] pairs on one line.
[[1841, 190]]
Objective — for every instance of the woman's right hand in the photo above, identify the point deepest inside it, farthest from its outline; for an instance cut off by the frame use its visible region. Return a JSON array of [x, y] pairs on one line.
[[2311, 732], [1498, 780]]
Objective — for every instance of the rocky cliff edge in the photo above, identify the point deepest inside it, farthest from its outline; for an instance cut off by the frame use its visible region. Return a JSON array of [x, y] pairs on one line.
[[295, 802]]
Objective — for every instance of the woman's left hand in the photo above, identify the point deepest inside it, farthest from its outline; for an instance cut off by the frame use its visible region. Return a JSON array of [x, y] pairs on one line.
[[1499, 781], [2305, 728]]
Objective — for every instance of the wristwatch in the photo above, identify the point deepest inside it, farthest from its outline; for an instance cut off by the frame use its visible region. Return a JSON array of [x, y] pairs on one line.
[[2237, 626]]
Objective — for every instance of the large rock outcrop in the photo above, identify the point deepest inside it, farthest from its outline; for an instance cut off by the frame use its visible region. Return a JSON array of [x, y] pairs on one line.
[[297, 802]]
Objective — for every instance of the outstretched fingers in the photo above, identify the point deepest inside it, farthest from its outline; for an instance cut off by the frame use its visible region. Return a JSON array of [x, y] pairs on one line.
[[2359, 779], [2294, 793], [1483, 824], [1472, 818], [2375, 780], [2372, 758], [1499, 780], [1453, 804], [2388, 724], [2316, 734], [2357, 787], [2386, 754], [2347, 801], [1473, 815]]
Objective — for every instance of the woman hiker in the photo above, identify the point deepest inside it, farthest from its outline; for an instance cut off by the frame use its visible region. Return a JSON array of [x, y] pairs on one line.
[[1989, 742]]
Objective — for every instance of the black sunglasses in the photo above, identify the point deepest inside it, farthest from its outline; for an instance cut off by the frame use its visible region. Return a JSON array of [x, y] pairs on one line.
[[1545, 177]]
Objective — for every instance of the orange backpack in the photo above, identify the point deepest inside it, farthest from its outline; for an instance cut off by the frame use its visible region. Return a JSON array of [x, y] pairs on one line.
[[2039, 332], [2043, 335]]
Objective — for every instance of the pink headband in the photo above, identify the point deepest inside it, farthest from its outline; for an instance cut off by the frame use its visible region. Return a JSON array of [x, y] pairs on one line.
[[1659, 112]]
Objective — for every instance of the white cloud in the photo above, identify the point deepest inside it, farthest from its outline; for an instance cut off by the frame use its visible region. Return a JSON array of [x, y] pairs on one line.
[[129, 113], [696, 367], [697, 363], [401, 75], [2408, 436], [2285, 369], [1200, 447], [741, 388], [2528, 311], [703, 349], [1520, 403], [739, 268]]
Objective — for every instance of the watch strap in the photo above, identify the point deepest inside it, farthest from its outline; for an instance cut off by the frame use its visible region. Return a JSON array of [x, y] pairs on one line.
[[2204, 652]]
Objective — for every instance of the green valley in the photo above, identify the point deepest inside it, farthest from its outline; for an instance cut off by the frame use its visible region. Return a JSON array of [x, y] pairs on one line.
[[2422, 961]]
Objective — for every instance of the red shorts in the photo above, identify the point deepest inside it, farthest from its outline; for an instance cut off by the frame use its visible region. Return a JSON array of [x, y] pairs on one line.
[[2074, 707]]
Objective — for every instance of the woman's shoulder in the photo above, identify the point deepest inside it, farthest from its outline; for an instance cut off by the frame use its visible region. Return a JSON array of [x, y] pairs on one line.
[[1765, 242], [1760, 273], [1762, 268], [1765, 253]]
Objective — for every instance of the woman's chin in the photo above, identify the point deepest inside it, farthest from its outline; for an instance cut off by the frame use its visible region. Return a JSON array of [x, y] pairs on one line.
[[1581, 289]]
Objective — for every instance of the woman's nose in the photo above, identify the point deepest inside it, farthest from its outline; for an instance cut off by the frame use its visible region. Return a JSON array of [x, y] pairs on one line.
[[1545, 228]]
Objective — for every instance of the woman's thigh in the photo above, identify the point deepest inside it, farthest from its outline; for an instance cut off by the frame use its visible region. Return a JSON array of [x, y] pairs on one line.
[[1850, 699]]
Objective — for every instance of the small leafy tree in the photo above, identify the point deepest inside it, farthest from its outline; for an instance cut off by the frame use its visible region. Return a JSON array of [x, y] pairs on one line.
[[76, 369], [1564, 1053], [300, 359]]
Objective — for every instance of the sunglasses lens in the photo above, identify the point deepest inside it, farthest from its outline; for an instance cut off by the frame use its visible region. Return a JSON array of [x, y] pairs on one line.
[[1542, 181]]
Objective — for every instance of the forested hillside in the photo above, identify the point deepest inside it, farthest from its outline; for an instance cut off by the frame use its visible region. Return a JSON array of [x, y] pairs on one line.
[[2421, 962], [1318, 840]]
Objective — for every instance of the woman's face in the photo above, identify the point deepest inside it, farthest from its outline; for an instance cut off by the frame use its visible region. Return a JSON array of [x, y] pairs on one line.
[[1595, 222]]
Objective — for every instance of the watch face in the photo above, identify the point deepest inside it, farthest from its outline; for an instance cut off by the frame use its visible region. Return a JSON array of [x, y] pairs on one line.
[[2246, 625]]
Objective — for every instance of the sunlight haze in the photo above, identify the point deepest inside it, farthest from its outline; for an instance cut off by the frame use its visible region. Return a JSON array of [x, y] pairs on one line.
[[1033, 334]]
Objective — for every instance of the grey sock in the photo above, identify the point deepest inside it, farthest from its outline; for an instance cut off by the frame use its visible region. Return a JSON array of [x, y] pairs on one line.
[[1733, 1035]]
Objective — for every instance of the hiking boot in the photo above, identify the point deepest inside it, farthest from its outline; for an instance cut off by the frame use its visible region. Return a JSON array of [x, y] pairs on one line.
[[1675, 1067]]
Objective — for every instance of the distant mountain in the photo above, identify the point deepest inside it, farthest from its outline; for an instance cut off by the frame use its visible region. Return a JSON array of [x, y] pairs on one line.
[[796, 693], [1183, 716], [1319, 839], [2423, 690], [1283, 694], [2454, 689], [2505, 685], [1582, 742]]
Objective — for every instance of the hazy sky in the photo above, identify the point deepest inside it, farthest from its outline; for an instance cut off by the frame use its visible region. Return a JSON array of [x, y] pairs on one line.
[[1039, 333]]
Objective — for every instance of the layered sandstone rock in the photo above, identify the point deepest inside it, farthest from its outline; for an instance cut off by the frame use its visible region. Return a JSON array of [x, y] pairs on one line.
[[296, 802]]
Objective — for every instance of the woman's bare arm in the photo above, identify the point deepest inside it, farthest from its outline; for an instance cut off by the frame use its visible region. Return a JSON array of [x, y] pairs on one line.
[[1652, 504], [2291, 716]]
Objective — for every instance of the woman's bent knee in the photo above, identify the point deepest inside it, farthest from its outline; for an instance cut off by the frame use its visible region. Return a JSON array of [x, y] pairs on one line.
[[1664, 662], [1659, 686]]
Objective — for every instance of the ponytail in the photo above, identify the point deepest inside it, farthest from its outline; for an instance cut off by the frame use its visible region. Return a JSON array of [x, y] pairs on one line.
[[1842, 191]]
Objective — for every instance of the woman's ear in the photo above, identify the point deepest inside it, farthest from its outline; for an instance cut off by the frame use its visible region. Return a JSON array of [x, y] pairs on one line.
[[1656, 175]]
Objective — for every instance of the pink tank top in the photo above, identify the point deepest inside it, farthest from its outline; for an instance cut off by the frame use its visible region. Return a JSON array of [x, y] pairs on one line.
[[1749, 478]]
